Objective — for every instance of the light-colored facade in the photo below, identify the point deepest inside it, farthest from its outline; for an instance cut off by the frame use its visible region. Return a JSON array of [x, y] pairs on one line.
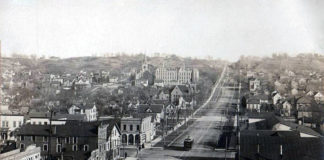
[[9, 123], [136, 131], [90, 112], [30, 153], [319, 97], [254, 85], [177, 75], [108, 142]]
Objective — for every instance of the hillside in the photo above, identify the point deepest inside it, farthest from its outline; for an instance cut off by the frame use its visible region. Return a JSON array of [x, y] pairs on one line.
[[115, 65]]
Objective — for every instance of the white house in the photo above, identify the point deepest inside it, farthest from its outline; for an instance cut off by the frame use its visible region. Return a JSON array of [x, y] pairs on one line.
[[88, 110], [276, 98], [319, 97], [109, 136], [9, 123], [286, 107], [254, 85], [137, 130]]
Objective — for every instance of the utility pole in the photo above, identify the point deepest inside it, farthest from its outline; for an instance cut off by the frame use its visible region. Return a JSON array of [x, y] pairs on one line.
[[50, 137]]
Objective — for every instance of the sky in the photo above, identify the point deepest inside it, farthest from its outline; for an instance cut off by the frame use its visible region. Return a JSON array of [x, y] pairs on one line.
[[198, 28]]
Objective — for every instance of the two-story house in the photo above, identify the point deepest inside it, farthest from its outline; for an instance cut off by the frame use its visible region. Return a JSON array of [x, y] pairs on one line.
[[70, 141], [137, 130], [8, 124], [319, 97], [108, 142], [89, 110], [179, 91]]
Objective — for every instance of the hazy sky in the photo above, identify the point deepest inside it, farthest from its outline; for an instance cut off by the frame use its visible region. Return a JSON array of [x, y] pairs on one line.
[[221, 28]]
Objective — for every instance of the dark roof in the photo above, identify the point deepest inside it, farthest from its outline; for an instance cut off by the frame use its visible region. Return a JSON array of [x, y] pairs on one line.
[[155, 108], [183, 88], [158, 101], [305, 100], [253, 101], [69, 129], [84, 106], [271, 120], [70, 117], [269, 146]]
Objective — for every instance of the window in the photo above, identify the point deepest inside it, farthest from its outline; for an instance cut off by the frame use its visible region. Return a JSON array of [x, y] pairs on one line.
[[86, 147], [138, 127], [34, 123], [3, 123], [66, 139], [131, 127], [45, 147], [45, 123], [58, 148], [74, 148], [45, 139], [7, 123], [40, 123], [75, 140], [58, 140], [33, 138], [20, 123], [22, 138], [125, 127], [14, 124], [22, 146]]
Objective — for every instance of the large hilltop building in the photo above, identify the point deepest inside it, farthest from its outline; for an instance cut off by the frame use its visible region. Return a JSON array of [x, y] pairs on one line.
[[177, 75]]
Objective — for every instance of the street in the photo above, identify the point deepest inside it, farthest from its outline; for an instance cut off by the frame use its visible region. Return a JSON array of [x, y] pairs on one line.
[[206, 129]]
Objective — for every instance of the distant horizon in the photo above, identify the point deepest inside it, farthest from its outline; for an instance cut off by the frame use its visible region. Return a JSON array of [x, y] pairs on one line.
[[224, 29], [152, 55]]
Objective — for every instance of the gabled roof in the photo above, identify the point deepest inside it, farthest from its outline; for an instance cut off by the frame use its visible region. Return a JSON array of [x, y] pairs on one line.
[[184, 89], [305, 100], [150, 108]]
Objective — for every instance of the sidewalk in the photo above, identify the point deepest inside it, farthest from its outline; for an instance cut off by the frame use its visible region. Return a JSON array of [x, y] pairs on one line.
[[159, 138]]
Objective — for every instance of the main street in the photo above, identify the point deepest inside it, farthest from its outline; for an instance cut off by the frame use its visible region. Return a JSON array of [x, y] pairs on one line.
[[206, 129]]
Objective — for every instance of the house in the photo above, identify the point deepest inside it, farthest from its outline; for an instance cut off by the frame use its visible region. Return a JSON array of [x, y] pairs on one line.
[[319, 97], [310, 93], [70, 141], [278, 145], [113, 79], [154, 110], [9, 124], [30, 153], [163, 94], [159, 83], [287, 108], [268, 121], [250, 74], [81, 84], [89, 110], [179, 91], [276, 98], [109, 136], [43, 118], [137, 130], [254, 85], [255, 102]]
